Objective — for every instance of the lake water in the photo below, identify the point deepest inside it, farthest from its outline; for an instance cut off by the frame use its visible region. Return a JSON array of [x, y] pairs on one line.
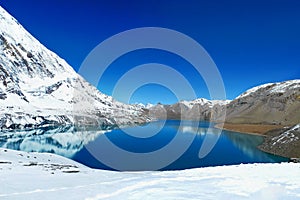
[[170, 145]]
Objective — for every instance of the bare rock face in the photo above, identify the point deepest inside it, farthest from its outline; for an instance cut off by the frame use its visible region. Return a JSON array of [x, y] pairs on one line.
[[199, 109], [273, 103], [38, 88]]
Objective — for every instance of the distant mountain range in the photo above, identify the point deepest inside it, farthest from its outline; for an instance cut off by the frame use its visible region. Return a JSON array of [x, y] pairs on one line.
[[272, 103], [199, 109], [38, 88]]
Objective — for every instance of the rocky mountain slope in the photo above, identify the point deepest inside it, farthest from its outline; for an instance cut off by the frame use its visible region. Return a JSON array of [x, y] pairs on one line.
[[284, 142], [199, 109], [272, 103], [38, 88]]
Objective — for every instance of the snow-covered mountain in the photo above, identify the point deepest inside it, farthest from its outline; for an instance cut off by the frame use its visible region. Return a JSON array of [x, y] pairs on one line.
[[38, 88], [147, 106], [272, 103], [198, 109]]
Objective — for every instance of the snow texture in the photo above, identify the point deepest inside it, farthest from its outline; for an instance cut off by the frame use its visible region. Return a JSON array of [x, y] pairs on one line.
[[288, 136], [38, 88], [35, 175]]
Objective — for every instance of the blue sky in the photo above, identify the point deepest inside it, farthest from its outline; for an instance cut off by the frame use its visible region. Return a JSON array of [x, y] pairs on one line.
[[251, 42]]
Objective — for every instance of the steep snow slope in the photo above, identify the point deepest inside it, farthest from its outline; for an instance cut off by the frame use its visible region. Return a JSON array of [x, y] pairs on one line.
[[32, 175], [272, 103], [39, 88], [198, 109]]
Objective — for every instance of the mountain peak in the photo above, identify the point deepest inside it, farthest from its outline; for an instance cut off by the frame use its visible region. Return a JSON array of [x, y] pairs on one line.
[[38, 88]]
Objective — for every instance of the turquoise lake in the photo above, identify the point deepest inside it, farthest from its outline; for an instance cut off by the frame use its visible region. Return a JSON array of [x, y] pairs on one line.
[[169, 145]]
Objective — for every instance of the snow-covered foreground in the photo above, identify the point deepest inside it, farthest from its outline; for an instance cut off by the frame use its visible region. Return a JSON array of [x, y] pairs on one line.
[[35, 176]]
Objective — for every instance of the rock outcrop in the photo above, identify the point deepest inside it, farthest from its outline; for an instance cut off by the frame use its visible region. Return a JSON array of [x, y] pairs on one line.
[[284, 142]]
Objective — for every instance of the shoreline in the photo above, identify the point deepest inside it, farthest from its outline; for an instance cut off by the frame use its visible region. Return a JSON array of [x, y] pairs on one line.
[[61, 177], [256, 129], [253, 129]]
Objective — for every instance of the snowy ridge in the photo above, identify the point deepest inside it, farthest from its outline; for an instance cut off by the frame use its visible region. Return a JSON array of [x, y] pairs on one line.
[[273, 87], [271, 103], [38, 88], [198, 109], [56, 177], [141, 105], [211, 103], [200, 101]]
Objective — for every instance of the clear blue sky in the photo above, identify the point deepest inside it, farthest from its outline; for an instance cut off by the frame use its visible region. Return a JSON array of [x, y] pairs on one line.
[[251, 42]]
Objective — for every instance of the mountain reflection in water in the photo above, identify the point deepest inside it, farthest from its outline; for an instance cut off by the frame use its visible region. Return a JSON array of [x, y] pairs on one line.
[[231, 147]]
